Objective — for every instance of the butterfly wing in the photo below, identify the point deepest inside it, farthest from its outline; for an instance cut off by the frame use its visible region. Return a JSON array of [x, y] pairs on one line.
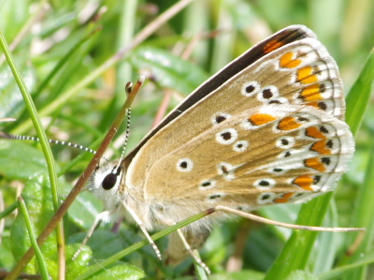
[[272, 133], [283, 37]]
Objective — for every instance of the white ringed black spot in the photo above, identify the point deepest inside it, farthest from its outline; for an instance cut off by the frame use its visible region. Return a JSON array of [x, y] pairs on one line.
[[285, 142], [316, 179], [279, 100], [300, 194], [227, 136], [226, 170], [278, 170], [220, 117], [286, 154], [241, 146], [184, 165], [330, 144], [207, 184], [305, 118], [322, 87], [250, 88], [215, 197], [268, 93], [322, 105], [326, 160], [323, 129], [265, 198], [265, 183]]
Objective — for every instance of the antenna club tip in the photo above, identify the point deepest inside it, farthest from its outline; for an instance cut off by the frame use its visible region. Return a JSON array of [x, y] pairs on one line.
[[128, 87], [210, 211], [141, 79]]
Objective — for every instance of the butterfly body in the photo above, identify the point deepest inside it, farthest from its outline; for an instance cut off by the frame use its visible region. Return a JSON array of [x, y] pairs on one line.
[[269, 128]]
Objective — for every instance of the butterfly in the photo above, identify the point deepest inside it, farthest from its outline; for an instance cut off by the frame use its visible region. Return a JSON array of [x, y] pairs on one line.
[[266, 129]]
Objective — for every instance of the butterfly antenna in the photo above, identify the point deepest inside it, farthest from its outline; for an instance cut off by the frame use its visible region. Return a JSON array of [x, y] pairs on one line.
[[52, 141], [127, 133]]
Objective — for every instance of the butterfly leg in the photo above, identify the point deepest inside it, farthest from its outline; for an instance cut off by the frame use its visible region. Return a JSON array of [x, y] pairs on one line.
[[104, 216], [139, 222], [183, 243]]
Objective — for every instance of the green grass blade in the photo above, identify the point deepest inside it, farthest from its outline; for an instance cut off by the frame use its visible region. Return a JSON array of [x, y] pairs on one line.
[[358, 97], [363, 217], [40, 132], [35, 119], [9, 210], [38, 252], [337, 273]]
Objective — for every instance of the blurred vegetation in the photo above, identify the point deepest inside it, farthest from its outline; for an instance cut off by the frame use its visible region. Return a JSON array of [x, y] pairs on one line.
[[70, 55]]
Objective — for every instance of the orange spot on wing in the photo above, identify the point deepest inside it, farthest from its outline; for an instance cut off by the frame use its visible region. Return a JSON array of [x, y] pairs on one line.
[[284, 199], [287, 60], [313, 104], [305, 75], [260, 119], [314, 132], [320, 147], [288, 123], [272, 46], [315, 163], [312, 92], [305, 182]]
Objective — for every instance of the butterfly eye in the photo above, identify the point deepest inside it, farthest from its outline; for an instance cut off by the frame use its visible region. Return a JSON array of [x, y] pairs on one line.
[[109, 181]]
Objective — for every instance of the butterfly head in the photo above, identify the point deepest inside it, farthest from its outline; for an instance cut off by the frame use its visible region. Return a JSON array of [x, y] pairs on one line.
[[105, 183]]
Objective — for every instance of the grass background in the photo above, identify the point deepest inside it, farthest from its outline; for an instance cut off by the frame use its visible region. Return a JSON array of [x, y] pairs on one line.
[[67, 54]]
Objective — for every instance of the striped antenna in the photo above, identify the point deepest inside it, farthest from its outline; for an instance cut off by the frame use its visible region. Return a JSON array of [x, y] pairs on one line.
[[36, 139], [128, 113]]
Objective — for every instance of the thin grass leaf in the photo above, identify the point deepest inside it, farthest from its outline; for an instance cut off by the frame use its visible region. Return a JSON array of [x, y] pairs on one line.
[[41, 134], [35, 118], [337, 273], [363, 217], [38, 253], [358, 97]]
